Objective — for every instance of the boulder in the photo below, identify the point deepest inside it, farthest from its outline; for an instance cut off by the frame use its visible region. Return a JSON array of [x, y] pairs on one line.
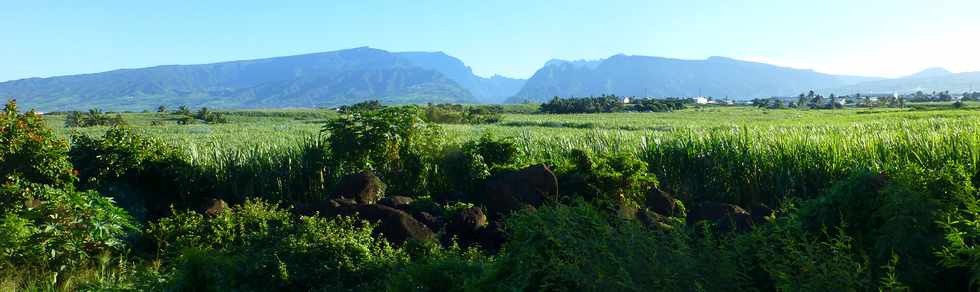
[[653, 219], [365, 188], [429, 220], [214, 207], [395, 225], [515, 190], [661, 202], [492, 236], [760, 212], [338, 206], [465, 224], [728, 217], [397, 202]]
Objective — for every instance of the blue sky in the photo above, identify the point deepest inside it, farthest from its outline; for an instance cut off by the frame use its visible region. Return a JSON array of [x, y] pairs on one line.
[[511, 38]]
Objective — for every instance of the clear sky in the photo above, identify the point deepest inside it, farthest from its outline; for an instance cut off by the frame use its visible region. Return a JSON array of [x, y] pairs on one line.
[[508, 37]]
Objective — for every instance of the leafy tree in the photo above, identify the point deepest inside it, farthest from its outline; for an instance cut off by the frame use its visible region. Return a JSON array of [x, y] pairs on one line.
[[162, 109], [371, 105], [183, 110]]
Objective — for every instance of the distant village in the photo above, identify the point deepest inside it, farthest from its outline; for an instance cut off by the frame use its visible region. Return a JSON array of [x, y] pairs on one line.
[[815, 100]]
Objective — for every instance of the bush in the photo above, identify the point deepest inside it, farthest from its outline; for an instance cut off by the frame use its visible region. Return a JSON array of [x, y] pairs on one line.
[[901, 213], [364, 106], [30, 150], [613, 179], [145, 176], [434, 268], [459, 114], [794, 259], [258, 246], [580, 248], [59, 233], [396, 142]]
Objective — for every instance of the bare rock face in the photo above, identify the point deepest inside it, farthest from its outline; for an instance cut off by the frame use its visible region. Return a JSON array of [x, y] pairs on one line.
[[529, 187], [395, 225], [365, 188]]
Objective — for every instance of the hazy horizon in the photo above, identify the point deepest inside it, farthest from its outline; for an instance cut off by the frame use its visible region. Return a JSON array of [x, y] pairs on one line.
[[508, 38]]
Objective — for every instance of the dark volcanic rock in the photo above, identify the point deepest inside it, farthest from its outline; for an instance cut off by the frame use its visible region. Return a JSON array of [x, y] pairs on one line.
[[728, 217], [465, 224], [363, 187], [397, 226], [760, 212], [653, 219], [397, 202], [214, 207], [510, 191], [661, 202], [492, 237], [429, 220]]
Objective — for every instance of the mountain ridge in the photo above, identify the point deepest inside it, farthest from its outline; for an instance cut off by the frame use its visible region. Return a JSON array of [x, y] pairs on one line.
[[326, 79], [636, 75]]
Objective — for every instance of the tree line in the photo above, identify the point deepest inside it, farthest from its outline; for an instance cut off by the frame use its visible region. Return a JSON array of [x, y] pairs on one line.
[[610, 104]]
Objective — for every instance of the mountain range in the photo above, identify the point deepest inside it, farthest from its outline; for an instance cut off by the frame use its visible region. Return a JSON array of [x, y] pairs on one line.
[[665, 77], [311, 80], [347, 76]]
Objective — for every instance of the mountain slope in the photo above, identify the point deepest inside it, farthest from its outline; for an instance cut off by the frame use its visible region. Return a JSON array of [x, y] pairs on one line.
[[655, 76], [955, 83], [930, 72], [320, 79], [487, 90]]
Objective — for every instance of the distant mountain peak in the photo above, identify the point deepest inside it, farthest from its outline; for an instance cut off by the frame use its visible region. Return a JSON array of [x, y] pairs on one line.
[[590, 64], [931, 72]]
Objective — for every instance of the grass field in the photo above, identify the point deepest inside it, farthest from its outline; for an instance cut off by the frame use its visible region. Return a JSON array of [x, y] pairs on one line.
[[278, 129]]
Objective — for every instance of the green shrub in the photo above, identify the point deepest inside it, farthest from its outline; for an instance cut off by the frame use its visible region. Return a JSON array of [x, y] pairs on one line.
[[581, 248], [66, 232], [898, 213], [30, 150], [459, 114], [394, 141], [434, 268], [144, 175], [615, 178], [258, 246], [794, 259]]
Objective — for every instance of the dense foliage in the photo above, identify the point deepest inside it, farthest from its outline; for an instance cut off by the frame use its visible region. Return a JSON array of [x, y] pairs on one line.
[[609, 104], [892, 210], [603, 104], [459, 114]]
